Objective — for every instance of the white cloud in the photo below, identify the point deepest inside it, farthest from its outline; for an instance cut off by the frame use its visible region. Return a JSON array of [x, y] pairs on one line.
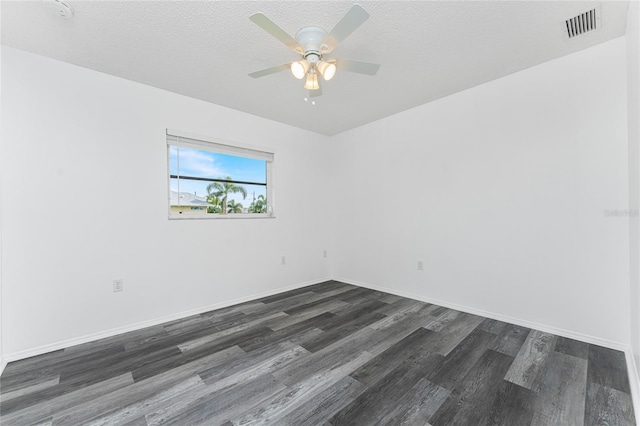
[[199, 163]]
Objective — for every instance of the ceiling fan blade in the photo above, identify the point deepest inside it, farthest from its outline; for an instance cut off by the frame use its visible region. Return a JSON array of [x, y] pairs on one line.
[[357, 66], [348, 24], [315, 93], [269, 26], [268, 71]]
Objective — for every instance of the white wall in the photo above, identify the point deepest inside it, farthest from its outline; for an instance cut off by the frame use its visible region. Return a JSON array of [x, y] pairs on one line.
[[2, 361], [633, 107], [85, 201], [501, 191]]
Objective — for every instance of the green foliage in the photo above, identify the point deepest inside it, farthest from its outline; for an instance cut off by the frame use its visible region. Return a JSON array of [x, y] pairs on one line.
[[233, 207], [258, 205], [221, 191], [216, 207]]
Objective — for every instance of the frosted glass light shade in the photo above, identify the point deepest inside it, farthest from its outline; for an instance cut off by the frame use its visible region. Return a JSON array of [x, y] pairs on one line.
[[299, 69], [312, 81], [327, 69]]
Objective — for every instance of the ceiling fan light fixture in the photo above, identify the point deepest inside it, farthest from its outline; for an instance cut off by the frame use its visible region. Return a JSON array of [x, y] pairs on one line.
[[312, 81], [327, 69], [299, 69]]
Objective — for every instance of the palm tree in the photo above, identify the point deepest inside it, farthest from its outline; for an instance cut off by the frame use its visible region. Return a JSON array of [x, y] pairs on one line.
[[259, 205], [221, 190], [215, 206], [234, 207]]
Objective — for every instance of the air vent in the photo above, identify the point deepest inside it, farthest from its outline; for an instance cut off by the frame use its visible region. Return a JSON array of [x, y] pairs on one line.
[[583, 23]]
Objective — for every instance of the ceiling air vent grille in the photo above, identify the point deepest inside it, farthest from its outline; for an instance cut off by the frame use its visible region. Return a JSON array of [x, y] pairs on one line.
[[583, 23]]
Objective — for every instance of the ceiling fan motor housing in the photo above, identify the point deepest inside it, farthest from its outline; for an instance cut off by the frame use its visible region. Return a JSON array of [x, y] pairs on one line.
[[311, 40]]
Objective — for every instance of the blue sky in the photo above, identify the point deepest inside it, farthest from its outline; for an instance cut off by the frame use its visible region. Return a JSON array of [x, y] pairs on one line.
[[199, 163]]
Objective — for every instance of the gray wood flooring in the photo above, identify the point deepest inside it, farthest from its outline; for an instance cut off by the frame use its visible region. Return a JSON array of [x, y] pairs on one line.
[[327, 354]]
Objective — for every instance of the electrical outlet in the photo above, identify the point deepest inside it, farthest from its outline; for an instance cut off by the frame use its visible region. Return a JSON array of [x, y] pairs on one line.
[[118, 284], [324, 254], [420, 265], [284, 260]]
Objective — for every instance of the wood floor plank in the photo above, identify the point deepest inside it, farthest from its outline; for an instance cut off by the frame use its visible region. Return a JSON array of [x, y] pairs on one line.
[[352, 313], [303, 300], [327, 338], [442, 321], [70, 381], [607, 367], [141, 390], [468, 403], [329, 297], [399, 306], [220, 407], [412, 346], [510, 339], [14, 381], [275, 359], [233, 375], [324, 360], [31, 387], [299, 333], [356, 305], [608, 406], [384, 396], [572, 347], [446, 340], [74, 376], [163, 365], [329, 286], [113, 341], [188, 323], [418, 405], [561, 389], [390, 298], [531, 359], [325, 405], [304, 314], [512, 405], [217, 336], [330, 353], [41, 410], [451, 370], [366, 339], [492, 326], [299, 393], [37, 369], [135, 410], [422, 310], [140, 421]]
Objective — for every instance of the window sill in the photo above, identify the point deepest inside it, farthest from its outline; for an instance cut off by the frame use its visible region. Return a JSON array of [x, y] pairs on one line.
[[220, 216]]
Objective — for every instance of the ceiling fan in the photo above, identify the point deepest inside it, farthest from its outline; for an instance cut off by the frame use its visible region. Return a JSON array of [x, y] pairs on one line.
[[313, 44]]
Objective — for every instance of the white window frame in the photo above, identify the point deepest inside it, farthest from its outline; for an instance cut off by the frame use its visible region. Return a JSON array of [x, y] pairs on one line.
[[182, 139]]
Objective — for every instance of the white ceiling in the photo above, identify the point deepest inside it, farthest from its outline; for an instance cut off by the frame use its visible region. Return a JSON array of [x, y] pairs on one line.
[[206, 49]]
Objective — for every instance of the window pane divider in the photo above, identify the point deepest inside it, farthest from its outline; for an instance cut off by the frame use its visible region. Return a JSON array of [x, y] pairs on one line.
[[216, 180]]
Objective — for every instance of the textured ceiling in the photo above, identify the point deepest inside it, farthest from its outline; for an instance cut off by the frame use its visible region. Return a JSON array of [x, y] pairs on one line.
[[206, 49]]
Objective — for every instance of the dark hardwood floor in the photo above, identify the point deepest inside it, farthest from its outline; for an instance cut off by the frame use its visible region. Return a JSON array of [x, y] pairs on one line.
[[327, 354]]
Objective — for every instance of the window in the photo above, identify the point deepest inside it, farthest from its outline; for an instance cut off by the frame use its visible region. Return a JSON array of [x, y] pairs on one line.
[[210, 179]]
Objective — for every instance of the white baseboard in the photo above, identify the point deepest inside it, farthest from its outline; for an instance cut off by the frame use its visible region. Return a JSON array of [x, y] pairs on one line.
[[16, 356], [493, 315], [3, 364]]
